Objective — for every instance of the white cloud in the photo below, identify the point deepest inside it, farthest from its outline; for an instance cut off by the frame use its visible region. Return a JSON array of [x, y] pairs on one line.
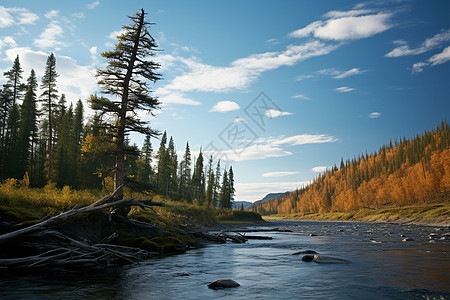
[[93, 52], [351, 13], [435, 60], [48, 38], [238, 119], [241, 72], [319, 169], [374, 115], [79, 15], [306, 31], [440, 58], [93, 5], [225, 106], [302, 139], [344, 89], [176, 98], [257, 190], [113, 35], [7, 41], [52, 14], [16, 16], [418, 67], [279, 174], [301, 77], [6, 19], [350, 25], [273, 113], [75, 81], [300, 96], [270, 147], [351, 72], [429, 44], [254, 152]]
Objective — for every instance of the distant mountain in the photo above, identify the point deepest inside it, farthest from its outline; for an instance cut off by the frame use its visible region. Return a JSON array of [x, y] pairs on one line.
[[237, 204], [270, 197]]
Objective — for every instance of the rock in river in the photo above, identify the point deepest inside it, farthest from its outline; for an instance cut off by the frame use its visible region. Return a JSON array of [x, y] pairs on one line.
[[223, 283], [322, 259], [304, 252]]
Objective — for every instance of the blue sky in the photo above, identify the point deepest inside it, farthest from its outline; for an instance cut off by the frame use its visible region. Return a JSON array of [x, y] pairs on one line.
[[281, 90]]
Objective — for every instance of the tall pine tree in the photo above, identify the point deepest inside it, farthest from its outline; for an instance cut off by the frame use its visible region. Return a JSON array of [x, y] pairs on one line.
[[48, 98], [125, 77]]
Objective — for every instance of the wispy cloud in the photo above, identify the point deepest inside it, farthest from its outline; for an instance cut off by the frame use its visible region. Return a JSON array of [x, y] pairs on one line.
[[49, 37], [435, 60], [238, 119], [177, 98], [93, 5], [351, 72], [271, 147], [319, 169], [273, 113], [225, 106], [279, 174], [52, 14], [334, 72], [7, 41], [344, 89], [346, 25], [10, 16], [300, 96], [374, 115], [241, 72], [429, 44]]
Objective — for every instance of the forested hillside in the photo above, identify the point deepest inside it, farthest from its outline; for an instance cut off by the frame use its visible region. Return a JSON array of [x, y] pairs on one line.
[[406, 172]]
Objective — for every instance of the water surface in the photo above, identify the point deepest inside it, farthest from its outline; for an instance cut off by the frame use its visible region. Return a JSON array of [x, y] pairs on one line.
[[382, 266]]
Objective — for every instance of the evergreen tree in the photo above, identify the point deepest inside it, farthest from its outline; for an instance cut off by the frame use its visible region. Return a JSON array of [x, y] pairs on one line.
[[172, 170], [146, 171], [198, 180], [64, 165], [12, 156], [28, 127], [77, 135], [48, 98], [185, 175], [224, 191], [125, 77], [231, 189], [216, 188], [210, 185], [163, 166], [13, 83]]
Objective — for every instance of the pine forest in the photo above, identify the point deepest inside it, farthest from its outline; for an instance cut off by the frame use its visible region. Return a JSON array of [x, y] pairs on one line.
[[407, 172]]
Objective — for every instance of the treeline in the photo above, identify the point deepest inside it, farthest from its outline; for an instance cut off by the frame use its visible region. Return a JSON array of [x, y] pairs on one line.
[[406, 172], [44, 140]]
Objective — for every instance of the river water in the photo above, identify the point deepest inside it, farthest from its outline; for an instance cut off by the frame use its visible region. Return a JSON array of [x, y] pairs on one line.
[[382, 266]]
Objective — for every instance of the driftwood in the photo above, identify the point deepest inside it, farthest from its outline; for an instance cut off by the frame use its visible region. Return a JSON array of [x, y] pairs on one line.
[[63, 250]]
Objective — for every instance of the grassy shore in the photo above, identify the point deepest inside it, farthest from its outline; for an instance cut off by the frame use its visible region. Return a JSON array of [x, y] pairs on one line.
[[432, 214]]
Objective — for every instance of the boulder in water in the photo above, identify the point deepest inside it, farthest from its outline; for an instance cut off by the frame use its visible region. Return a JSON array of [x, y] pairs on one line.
[[223, 283], [304, 252], [322, 259], [308, 258]]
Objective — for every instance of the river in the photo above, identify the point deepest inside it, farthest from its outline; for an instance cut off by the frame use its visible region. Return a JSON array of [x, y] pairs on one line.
[[382, 266]]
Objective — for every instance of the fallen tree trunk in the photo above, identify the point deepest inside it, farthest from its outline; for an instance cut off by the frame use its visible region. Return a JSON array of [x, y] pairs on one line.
[[59, 249]]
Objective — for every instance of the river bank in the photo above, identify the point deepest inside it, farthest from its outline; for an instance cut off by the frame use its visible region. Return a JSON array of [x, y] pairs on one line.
[[427, 215]]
